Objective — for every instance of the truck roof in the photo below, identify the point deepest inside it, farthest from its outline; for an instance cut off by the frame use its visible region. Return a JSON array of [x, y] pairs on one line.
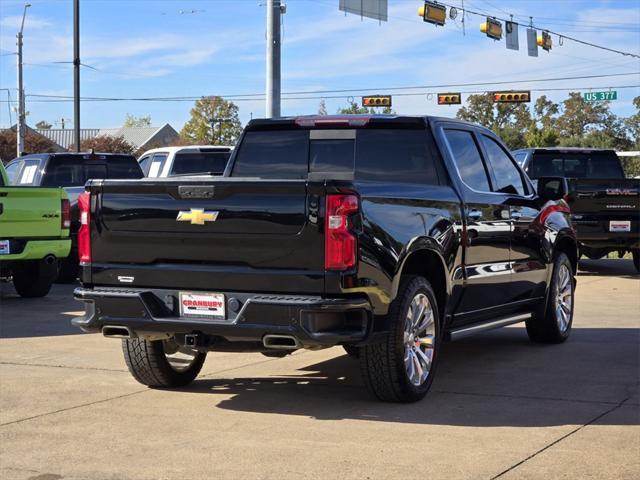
[[190, 148], [328, 121], [565, 149]]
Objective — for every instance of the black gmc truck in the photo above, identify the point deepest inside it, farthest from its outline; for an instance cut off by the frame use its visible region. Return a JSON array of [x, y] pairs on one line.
[[385, 234], [605, 206]]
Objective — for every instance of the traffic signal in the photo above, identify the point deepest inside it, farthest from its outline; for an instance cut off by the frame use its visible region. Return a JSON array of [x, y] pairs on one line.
[[377, 101], [512, 96], [544, 41], [449, 99], [492, 27], [433, 12]]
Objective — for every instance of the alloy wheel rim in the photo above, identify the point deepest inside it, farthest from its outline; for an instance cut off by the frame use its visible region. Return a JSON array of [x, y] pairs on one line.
[[564, 298], [180, 358], [419, 340]]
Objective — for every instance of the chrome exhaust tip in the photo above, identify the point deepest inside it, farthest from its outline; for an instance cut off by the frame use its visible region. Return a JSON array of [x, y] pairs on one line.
[[116, 331], [281, 342]]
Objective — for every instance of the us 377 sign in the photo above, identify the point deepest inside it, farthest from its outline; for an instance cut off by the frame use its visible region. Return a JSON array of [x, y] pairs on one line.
[[600, 96]]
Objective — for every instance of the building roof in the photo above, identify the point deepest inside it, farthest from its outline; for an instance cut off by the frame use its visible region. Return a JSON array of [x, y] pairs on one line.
[[136, 136], [64, 136]]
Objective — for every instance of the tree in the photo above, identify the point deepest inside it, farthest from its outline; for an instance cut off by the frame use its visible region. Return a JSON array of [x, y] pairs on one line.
[[213, 121], [546, 112], [633, 123], [132, 121], [33, 143], [43, 125], [541, 137], [322, 108], [105, 144], [510, 121], [579, 117], [353, 109]]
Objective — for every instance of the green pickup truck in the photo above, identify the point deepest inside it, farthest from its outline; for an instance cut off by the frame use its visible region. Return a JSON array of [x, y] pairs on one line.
[[34, 235]]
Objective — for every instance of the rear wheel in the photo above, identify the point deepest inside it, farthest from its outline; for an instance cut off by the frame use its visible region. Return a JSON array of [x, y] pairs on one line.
[[636, 259], [553, 324], [32, 280], [162, 363], [402, 366]]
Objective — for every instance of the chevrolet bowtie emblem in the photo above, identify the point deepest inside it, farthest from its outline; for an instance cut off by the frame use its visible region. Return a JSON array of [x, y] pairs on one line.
[[197, 216]]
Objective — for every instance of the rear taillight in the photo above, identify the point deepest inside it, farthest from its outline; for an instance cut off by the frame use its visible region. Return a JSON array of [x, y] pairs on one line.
[[340, 243], [65, 214], [84, 234]]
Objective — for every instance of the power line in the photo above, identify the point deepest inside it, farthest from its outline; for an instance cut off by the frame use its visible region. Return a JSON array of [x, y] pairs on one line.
[[63, 99], [560, 35], [348, 90]]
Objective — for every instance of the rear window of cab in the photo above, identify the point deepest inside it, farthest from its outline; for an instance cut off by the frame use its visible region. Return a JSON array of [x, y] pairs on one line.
[[390, 155]]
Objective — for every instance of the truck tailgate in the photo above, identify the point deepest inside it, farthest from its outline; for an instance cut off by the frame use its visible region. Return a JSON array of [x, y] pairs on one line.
[[29, 212], [218, 234], [608, 206]]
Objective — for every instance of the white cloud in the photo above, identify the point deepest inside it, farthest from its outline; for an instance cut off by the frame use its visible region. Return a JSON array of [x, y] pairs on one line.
[[31, 22]]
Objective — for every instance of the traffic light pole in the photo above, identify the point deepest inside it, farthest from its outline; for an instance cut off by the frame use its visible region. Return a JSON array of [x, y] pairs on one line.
[[273, 59], [76, 74]]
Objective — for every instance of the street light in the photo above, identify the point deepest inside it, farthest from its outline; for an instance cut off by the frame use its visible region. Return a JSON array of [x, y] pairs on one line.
[[20, 126]]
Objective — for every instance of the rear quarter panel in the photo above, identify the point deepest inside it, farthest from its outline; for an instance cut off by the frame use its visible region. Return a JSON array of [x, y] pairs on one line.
[[399, 220]]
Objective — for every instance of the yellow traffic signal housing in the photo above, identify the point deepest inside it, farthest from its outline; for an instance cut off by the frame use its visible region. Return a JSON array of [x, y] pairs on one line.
[[493, 28], [544, 41], [376, 101], [449, 99], [512, 96], [433, 12]]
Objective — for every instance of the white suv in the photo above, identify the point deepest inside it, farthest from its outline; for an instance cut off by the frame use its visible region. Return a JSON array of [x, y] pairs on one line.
[[183, 161]]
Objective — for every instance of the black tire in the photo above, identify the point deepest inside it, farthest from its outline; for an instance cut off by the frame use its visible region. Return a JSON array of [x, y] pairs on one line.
[[149, 365], [636, 259], [32, 280], [383, 365], [352, 351], [544, 326], [69, 269]]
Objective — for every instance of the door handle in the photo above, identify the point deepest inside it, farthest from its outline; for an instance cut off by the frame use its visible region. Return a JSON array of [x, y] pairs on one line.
[[474, 215], [516, 214]]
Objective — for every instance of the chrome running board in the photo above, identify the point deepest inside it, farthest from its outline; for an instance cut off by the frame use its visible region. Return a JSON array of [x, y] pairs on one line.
[[469, 330]]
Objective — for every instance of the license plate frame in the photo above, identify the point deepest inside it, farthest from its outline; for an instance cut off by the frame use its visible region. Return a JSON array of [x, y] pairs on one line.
[[202, 305], [5, 247], [620, 226]]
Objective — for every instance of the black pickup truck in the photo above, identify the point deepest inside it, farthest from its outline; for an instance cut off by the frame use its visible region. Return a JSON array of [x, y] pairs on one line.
[[605, 206], [71, 171], [384, 234]]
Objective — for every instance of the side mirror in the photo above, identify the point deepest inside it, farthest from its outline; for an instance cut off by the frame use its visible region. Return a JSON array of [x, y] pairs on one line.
[[552, 188]]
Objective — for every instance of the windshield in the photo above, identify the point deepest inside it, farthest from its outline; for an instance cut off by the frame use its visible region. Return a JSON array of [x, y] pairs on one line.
[[597, 164], [75, 170], [197, 162]]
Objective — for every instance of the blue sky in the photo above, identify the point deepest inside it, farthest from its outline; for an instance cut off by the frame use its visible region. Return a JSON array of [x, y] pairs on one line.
[[148, 48]]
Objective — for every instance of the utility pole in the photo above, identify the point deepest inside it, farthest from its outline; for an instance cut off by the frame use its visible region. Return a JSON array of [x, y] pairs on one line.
[[20, 125], [274, 10], [76, 74]]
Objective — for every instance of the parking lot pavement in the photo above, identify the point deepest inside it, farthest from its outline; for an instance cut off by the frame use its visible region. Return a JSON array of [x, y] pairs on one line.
[[499, 406]]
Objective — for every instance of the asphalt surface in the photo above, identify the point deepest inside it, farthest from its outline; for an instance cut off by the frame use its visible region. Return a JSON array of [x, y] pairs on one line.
[[499, 406]]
